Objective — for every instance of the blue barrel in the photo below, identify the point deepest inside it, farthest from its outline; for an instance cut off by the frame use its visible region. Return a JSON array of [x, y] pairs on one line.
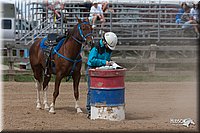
[[107, 94]]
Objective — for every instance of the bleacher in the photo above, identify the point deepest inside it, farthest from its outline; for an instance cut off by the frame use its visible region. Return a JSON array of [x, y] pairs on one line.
[[147, 32], [134, 23]]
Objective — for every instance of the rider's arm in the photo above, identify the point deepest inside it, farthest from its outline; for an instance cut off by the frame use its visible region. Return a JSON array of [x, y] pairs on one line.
[[93, 59]]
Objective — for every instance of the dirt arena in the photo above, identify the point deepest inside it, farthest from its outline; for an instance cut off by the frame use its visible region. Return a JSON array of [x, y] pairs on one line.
[[149, 107]]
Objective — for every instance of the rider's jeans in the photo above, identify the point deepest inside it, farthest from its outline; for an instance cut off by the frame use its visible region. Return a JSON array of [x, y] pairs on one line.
[[88, 107]]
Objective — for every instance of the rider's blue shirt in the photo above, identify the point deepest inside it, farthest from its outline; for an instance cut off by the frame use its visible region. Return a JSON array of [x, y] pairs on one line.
[[97, 58]]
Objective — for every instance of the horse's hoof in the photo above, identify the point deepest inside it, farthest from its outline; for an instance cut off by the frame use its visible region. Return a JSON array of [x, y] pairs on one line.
[[52, 111], [46, 107], [79, 110], [38, 107]]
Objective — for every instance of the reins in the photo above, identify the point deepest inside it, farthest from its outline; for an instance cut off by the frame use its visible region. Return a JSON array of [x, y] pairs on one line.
[[81, 34]]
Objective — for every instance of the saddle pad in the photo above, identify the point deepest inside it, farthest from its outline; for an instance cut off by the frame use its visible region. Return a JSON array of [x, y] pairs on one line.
[[60, 43], [42, 43]]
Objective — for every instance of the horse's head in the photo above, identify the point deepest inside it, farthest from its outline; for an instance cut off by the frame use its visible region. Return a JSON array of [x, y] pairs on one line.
[[85, 30]]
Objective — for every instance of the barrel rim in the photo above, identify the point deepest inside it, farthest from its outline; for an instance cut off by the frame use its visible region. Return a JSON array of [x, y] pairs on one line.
[[112, 70], [106, 88]]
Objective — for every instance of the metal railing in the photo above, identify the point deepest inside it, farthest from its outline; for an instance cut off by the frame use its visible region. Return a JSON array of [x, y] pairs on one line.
[[135, 23]]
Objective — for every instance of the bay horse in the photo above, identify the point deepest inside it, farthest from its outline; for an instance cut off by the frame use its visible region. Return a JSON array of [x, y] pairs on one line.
[[67, 61]]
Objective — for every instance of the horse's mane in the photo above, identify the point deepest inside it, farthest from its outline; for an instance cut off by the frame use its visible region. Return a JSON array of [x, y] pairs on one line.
[[69, 34]]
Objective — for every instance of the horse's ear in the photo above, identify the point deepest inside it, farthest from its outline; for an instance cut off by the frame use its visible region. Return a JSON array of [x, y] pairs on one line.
[[79, 21]]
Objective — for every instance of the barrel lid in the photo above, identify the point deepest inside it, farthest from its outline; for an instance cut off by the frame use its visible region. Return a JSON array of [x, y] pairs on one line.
[[106, 72]]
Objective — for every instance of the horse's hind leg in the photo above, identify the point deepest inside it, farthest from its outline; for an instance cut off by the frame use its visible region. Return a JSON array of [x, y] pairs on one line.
[[76, 79], [45, 88]]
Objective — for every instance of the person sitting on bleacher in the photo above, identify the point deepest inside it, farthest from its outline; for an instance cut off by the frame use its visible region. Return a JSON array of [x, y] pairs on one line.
[[198, 13], [87, 4], [194, 12], [188, 21], [96, 13], [180, 13], [57, 9], [105, 6]]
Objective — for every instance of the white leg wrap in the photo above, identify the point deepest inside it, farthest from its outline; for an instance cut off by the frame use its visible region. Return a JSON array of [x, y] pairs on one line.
[[78, 109], [38, 87], [52, 110], [38, 106], [46, 106]]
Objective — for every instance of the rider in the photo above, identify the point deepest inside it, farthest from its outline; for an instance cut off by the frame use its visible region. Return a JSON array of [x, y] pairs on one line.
[[100, 55]]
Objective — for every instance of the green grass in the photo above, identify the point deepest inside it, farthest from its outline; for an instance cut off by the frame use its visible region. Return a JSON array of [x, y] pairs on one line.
[[27, 78], [134, 78], [155, 78], [19, 78]]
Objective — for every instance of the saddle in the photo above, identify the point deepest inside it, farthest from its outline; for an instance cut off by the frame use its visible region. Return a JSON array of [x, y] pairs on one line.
[[52, 40], [55, 38]]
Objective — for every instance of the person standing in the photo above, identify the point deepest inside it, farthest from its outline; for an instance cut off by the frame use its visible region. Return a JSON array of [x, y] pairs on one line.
[[100, 55]]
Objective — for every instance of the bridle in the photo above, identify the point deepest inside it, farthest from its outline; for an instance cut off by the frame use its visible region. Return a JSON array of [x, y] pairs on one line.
[[81, 34], [79, 42]]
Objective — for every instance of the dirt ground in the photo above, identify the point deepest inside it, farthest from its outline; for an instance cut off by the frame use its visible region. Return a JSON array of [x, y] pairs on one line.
[[150, 106]]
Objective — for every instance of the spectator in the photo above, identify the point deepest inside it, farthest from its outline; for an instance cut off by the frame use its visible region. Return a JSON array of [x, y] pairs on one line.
[[59, 12], [198, 12], [193, 12], [198, 15], [187, 21], [180, 13], [105, 6], [96, 13], [88, 4], [57, 8]]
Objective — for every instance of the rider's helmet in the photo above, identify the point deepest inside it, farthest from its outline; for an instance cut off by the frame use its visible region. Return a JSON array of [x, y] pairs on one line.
[[111, 40]]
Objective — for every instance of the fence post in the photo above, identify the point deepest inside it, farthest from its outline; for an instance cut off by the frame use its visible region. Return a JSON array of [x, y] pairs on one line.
[[152, 58], [11, 63], [110, 21]]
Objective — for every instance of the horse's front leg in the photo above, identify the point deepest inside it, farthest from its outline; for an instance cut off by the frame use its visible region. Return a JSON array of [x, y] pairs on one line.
[[55, 94], [76, 79]]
